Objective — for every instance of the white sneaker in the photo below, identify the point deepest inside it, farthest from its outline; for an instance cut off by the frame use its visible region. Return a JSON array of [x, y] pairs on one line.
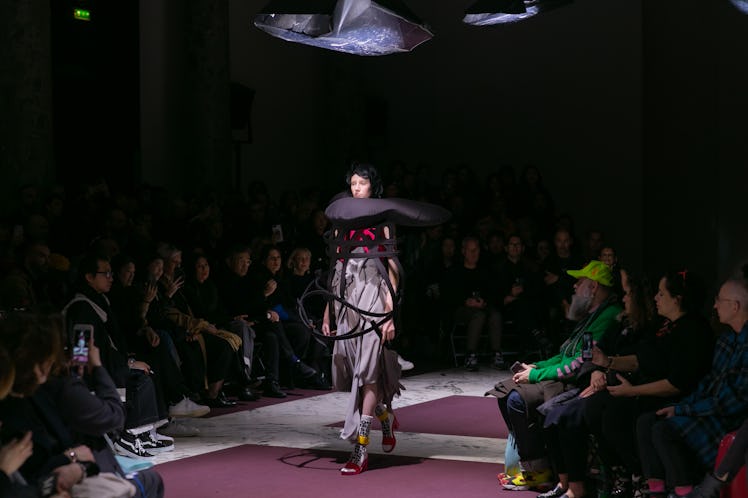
[[188, 408], [404, 364], [178, 428], [156, 445], [131, 445]]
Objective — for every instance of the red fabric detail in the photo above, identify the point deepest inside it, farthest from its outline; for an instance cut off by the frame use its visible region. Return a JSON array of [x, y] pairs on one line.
[[737, 488]]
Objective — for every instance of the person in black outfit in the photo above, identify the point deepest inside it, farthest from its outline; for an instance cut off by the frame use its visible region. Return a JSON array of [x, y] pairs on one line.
[[267, 278], [242, 303], [202, 298], [669, 365], [90, 308], [471, 293], [520, 288]]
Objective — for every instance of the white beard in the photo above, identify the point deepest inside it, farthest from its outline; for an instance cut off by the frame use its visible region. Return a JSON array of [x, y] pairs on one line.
[[580, 306]]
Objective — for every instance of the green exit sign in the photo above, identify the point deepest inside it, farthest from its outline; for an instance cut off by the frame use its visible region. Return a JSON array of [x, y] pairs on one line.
[[82, 14]]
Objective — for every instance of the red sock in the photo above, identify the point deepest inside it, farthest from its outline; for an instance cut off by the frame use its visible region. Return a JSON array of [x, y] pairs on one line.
[[656, 485], [683, 490]]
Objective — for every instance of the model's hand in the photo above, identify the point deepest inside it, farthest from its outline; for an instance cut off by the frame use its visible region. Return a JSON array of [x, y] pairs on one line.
[[13, 454], [273, 316], [624, 389], [388, 330]]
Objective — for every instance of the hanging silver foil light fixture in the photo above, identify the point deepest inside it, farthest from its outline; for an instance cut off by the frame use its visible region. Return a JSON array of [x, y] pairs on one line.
[[361, 27]]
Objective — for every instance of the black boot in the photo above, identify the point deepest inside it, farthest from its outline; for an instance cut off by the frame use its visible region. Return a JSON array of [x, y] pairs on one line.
[[272, 389], [710, 487]]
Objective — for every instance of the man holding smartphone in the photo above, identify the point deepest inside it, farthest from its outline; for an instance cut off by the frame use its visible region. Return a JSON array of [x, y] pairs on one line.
[[595, 309], [90, 310]]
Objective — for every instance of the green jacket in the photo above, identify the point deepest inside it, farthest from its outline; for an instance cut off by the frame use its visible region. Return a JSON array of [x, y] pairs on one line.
[[567, 362]]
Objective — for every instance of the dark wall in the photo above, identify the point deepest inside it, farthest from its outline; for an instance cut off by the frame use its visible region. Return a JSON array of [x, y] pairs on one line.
[[695, 172], [563, 91]]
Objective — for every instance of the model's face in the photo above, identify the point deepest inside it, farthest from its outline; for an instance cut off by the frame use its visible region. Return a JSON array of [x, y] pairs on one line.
[[360, 187], [202, 270]]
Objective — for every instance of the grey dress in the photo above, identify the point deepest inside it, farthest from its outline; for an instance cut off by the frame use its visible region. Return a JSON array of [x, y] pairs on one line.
[[362, 360]]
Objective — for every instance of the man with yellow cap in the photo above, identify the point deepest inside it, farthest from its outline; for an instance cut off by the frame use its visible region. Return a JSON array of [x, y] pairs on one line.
[[595, 308]]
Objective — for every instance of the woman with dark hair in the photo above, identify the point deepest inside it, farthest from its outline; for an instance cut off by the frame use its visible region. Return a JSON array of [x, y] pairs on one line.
[[568, 424], [357, 362], [668, 365], [278, 298]]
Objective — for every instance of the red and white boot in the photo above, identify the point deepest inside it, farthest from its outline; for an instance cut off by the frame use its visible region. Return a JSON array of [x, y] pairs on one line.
[[388, 421], [359, 460]]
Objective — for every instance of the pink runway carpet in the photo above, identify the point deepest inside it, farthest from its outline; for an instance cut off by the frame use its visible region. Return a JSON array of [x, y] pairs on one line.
[[268, 472], [458, 415]]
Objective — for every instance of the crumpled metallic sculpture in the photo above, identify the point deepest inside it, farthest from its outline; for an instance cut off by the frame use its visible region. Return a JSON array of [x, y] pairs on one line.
[[360, 27], [489, 12], [741, 5]]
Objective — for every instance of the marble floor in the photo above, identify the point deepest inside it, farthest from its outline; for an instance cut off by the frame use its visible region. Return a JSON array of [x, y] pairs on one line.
[[302, 423]]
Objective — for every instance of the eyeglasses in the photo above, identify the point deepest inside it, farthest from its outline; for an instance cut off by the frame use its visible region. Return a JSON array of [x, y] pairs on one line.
[[718, 299], [107, 274]]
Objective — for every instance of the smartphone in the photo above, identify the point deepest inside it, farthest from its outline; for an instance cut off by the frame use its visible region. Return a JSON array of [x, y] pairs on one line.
[[277, 233], [516, 367], [82, 333], [587, 346]]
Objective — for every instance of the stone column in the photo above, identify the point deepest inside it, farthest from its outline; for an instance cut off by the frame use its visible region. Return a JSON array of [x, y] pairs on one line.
[[26, 153]]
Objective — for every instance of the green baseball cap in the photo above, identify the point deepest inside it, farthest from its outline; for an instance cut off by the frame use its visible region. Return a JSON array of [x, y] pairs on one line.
[[595, 270]]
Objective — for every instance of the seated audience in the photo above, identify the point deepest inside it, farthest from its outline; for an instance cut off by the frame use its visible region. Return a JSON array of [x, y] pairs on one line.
[[130, 305], [204, 350], [520, 287], [242, 303], [595, 309], [90, 308], [650, 376], [679, 442], [268, 274], [56, 461], [203, 300], [568, 420], [471, 293]]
